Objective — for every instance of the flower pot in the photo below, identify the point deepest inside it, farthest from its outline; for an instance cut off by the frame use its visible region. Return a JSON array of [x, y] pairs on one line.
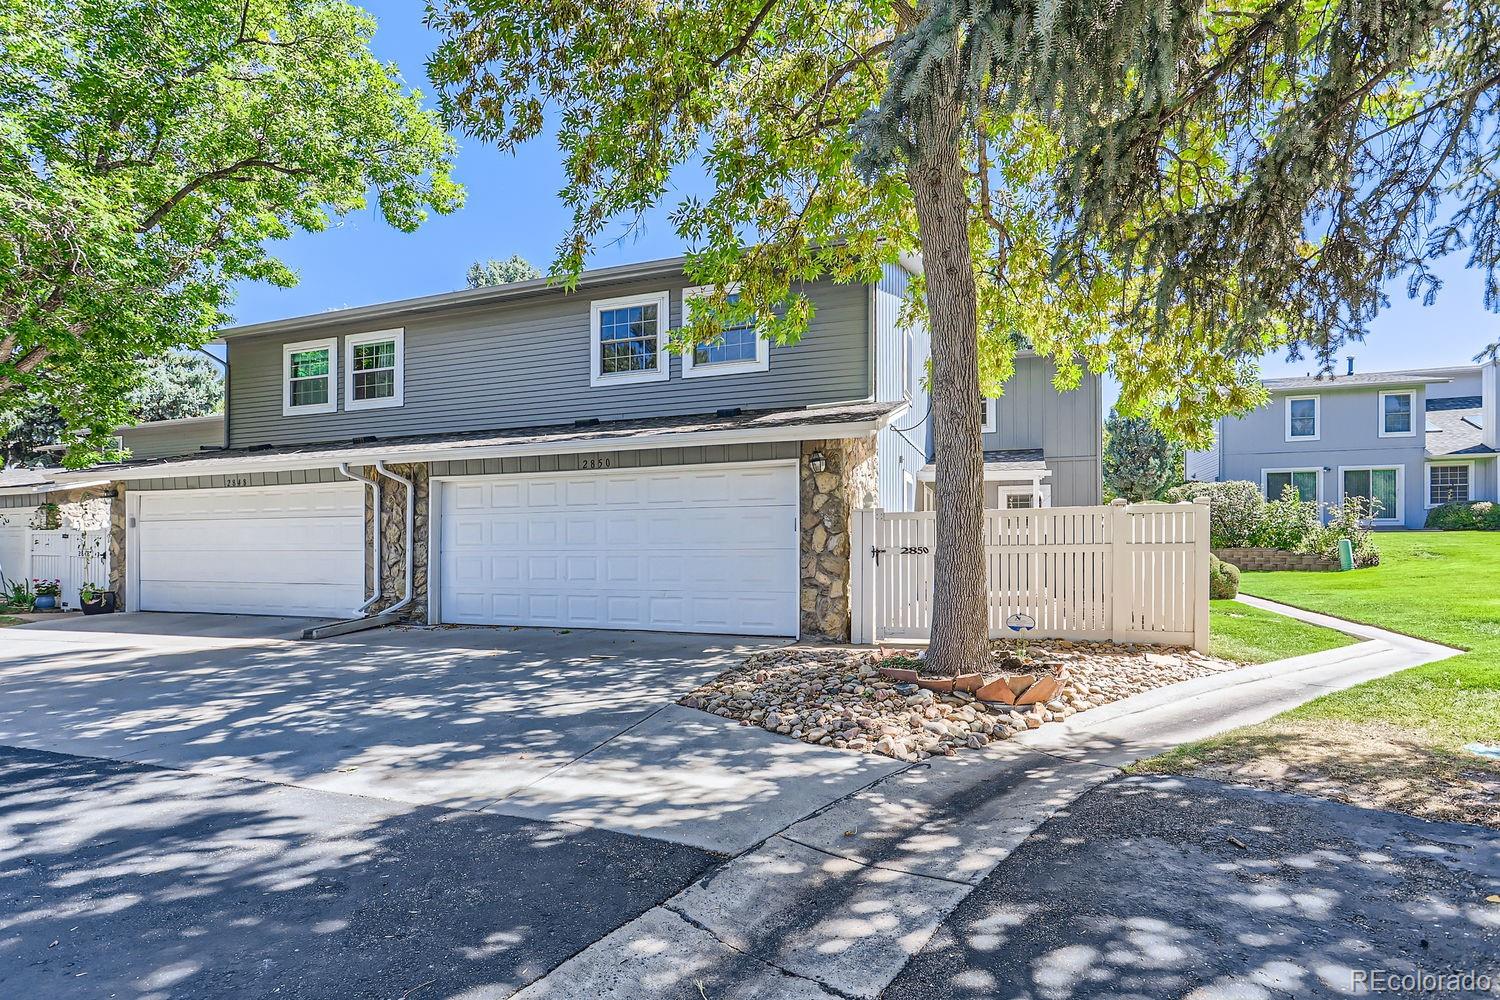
[[44, 602], [103, 603]]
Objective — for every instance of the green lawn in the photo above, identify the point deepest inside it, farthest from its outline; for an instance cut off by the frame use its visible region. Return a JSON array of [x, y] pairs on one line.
[[1249, 635], [8, 620], [1395, 742]]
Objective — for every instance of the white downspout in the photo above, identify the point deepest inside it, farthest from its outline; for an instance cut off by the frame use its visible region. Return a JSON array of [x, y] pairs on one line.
[[375, 549], [411, 518]]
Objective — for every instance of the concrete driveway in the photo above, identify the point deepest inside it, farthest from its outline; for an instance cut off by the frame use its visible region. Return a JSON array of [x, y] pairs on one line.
[[574, 726]]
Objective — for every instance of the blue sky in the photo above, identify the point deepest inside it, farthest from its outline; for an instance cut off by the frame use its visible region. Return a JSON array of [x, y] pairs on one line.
[[513, 208]]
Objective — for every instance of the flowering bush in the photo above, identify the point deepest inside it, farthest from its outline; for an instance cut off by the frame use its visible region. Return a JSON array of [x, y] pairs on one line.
[[47, 588], [1481, 515], [1289, 523], [1235, 514]]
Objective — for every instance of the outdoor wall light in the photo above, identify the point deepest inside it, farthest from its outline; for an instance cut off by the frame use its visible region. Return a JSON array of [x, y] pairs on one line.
[[816, 462]]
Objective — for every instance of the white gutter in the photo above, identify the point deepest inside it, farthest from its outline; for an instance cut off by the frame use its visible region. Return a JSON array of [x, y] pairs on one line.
[[411, 542], [745, 435], [375, 550]]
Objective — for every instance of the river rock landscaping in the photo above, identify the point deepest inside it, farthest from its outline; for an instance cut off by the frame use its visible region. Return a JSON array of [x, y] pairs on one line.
[[839, 697]]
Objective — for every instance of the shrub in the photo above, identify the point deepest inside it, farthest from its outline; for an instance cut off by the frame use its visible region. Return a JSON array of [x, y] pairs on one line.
[[1289, 524], [1481, 515], [1347, 521], [1223, 579], [1234, 519]]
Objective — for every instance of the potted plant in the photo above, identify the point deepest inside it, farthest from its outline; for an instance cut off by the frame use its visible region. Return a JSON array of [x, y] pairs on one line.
[[47, 592], [95, 600]]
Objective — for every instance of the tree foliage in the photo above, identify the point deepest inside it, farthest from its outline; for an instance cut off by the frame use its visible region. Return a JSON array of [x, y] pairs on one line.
[[178, 386], [501, 272], [170, 388], [150, 152], [1140, 462], [1164, 188]]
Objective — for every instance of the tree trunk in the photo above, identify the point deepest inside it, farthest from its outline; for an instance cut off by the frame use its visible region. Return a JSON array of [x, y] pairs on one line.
[[960, 625]]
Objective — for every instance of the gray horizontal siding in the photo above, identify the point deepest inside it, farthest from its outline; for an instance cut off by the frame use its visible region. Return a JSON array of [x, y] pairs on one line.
[[644, 458], [283, 477], [527, 363], [171, 442]]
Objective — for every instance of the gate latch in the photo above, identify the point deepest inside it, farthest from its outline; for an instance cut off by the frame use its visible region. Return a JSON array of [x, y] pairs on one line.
[[876, 553]]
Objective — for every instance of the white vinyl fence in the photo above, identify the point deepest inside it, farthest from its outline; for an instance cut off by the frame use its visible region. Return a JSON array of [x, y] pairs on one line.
[[71, 556], [1122, 572]]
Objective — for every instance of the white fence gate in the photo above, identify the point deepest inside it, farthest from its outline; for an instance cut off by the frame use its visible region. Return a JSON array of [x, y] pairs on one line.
[[71, 556], [1126, 573]]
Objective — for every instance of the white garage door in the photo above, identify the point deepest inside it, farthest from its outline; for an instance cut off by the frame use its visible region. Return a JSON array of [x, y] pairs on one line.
[[693, 550], [284, 550]]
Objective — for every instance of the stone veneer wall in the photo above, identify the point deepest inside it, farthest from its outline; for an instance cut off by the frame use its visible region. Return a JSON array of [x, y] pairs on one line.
[[117, 545], [393, 539], [1259, 560], [849, 481]]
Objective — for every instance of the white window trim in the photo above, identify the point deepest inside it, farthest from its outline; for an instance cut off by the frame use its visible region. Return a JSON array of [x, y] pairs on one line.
[[690, 369], [908, 491], [908, 363], [1380, 414], [663, 303], [1317, 472], [354, 340], [1427, 503], [991, 423], [1400, 517], [331, 344], [1317, 418]]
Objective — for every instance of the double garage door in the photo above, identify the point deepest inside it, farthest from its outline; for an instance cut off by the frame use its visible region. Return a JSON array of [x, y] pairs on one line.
[[285, 550], [705, 549]]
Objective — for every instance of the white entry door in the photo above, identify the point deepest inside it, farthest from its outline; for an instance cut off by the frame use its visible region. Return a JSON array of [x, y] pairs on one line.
[[700, 549], [276, 550]]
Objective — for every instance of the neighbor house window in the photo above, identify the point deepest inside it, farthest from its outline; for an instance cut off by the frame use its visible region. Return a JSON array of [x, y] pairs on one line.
[[1305, 480], [1302, 418], [1448, 484], [1019, 501], [987, 410], [1396, 414], [629, 337], [309, 375], [373, 370], [1383, 486], [740, 347]]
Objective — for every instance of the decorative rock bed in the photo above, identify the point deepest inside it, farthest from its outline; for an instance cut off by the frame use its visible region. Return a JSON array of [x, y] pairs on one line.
[[842, 697]]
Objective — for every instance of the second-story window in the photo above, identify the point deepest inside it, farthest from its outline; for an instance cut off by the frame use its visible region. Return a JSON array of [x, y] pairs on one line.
[[373, 366], [740, 347], [309, 373], [629, 339], [1302, 418], [1396, 414]]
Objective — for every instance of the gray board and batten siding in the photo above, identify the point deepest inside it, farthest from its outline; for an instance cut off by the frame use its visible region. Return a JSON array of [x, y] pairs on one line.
[[1066, 426]]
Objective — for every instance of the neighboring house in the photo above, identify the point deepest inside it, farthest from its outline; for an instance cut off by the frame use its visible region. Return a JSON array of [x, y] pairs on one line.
[[528, 455], [173, 438], [1411, 440]]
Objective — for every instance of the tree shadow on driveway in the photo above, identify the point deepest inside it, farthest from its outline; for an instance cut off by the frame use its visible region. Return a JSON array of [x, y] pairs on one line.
[[118, 880]]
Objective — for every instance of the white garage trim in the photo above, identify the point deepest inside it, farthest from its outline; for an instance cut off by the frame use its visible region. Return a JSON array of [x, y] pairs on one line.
[[273, 585], [788, 617]]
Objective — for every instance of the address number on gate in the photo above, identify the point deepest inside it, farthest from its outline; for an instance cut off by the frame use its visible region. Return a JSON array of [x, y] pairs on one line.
[[914, 550]]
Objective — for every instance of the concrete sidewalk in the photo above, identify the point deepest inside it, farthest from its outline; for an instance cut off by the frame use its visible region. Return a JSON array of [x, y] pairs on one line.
[[834, 905]]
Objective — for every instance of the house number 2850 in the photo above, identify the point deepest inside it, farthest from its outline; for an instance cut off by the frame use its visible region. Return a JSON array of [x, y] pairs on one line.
[[594, 463], [914, 550]]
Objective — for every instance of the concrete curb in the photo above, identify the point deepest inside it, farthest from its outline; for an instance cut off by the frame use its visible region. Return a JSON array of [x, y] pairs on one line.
[[835, 904]]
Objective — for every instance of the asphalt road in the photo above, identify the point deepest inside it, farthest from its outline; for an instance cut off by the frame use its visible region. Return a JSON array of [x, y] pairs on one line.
[[122, 880], [1141, 891]]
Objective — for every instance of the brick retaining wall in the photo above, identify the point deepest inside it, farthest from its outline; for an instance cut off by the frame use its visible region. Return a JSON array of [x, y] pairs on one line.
[[1261, 560]]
